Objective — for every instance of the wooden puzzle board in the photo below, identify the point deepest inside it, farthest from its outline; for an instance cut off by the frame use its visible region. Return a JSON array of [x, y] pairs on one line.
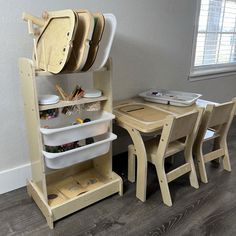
[[55, 42]]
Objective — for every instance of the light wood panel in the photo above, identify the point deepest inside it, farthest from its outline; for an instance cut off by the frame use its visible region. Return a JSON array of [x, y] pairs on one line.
[[54, 45], [81, 101], [82, 38], [31, 111]]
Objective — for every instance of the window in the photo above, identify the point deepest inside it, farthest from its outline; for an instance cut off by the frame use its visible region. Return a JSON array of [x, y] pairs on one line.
[[214, 49]]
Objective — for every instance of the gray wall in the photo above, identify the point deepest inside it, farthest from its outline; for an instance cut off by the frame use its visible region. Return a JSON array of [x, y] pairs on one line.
[[152, 48]]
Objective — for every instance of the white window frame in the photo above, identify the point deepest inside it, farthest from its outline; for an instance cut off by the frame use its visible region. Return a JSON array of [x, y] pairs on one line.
[[211, 71]]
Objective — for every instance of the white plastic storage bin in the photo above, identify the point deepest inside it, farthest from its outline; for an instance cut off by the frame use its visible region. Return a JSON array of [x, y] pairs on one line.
[[175, 98], [61, 130], [64, 159]]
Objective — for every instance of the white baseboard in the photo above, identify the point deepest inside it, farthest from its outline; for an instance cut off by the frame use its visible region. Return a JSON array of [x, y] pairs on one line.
[[14, 178]]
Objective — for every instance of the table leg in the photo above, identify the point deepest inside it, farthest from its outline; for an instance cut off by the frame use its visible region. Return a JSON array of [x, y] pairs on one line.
[[140, 152], [131, 163]]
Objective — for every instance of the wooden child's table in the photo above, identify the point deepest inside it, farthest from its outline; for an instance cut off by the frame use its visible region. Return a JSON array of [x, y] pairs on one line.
[[138, 116]]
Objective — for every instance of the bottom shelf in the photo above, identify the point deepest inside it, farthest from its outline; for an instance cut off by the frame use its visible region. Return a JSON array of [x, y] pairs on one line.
[[74, 186], [74, 193]]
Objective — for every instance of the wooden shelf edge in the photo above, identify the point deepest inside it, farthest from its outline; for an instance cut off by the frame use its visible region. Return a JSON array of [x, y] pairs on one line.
[[110, 187], [81, 101], [35, 193], [47, 73]]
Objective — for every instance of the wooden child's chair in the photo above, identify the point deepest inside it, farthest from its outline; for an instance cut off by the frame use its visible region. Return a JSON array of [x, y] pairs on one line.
[[178, 134], [215, 125]]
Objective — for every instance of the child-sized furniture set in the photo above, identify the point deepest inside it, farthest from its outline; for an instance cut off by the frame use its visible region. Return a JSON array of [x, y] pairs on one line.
[[174, 129], [72, 161]]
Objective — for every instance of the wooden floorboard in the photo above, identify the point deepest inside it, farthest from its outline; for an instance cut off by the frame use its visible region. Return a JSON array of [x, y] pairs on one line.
[[210, 210]]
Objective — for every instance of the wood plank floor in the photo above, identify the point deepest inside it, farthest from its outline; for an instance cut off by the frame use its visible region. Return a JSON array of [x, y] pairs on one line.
[[210, 210]]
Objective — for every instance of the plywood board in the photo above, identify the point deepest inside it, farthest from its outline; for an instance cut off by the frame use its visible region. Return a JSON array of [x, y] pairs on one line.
[[89, 180], [70, 188], [54, 45], [55, 197], [143, 112], [82, 40], [143, 117], [95, 41]]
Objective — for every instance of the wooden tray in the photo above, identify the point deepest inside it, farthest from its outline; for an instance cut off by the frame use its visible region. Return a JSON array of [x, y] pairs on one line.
[[94, 44], [82, 40], [54, 43]]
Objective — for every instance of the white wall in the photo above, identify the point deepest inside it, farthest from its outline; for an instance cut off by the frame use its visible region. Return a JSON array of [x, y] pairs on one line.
[[152, 48]]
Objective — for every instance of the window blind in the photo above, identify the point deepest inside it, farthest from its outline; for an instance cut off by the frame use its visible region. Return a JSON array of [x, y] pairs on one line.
[[216, 35]]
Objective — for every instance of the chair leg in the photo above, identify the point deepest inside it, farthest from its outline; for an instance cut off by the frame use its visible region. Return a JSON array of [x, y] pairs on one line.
[[171, 160], [201, 166], [165, 191], [226, 161], [131, 163], [193, 175], [140, 152], [216, 146], [141, 185]]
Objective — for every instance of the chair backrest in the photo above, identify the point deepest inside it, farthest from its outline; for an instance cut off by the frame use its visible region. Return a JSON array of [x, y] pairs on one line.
[[175, 128], [220, 114], [183, 126], [219, 117]]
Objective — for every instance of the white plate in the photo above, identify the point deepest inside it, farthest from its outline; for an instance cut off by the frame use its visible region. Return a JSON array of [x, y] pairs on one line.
[[48, 99]]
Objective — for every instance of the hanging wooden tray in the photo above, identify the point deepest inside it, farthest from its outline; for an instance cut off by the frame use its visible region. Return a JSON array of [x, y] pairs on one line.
[[96, 38], [54, 44], [82, 40], [106, 42]]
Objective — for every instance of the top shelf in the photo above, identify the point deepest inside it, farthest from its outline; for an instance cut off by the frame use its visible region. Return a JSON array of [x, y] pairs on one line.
[[46, 73]]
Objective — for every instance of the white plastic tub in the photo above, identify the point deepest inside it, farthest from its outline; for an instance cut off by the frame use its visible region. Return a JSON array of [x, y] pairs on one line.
[[64, 159], [106, 42], [62, 131], [175, 98]]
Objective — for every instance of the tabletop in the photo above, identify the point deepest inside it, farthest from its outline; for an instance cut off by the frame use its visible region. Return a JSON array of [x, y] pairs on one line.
[[147, 116]]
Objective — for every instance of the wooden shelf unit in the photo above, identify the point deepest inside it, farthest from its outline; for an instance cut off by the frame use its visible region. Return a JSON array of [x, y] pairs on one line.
[[91, 180]]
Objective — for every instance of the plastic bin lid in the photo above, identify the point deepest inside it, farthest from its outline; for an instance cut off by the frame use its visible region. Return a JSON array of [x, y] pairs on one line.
[[92, 93]]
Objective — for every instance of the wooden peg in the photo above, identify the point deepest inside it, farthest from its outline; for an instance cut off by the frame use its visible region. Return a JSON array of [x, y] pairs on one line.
[[35, 20], [45, 15], [35, 55]]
